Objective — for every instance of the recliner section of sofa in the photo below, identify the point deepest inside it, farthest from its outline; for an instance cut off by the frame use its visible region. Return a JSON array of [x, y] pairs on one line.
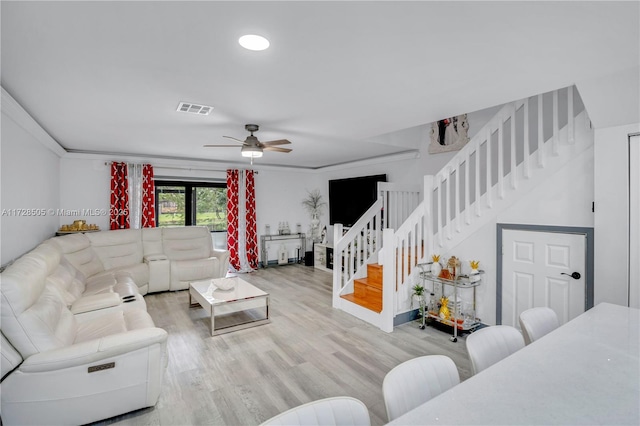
[[61, 368], [77, 343], [192, 256]]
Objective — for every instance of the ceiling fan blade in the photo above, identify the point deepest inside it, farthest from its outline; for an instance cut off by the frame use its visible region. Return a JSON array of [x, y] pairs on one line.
[[277, 149], [277, 142], [220, 146], [235, 139]]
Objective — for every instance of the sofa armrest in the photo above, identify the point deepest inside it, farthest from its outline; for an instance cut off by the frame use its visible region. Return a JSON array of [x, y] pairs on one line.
[[159, 272], [155, 257], [223, 260], [95, 302], [93, 351]]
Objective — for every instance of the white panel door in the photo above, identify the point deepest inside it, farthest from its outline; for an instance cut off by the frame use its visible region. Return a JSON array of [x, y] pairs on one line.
[[634, 222], [537, 270]]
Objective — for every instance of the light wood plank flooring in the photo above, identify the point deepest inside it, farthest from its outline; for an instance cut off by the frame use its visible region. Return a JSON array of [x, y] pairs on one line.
[[309, 351]]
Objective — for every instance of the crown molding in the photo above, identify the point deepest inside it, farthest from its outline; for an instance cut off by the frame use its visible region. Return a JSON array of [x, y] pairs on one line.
[[212, 165], [13, 110]]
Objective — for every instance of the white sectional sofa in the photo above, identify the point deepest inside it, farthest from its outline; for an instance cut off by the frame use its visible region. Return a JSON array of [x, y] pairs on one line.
[[158, 259], [77, 343]]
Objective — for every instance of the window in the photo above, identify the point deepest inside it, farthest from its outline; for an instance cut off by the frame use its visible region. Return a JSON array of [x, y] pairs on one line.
[[192, 203]]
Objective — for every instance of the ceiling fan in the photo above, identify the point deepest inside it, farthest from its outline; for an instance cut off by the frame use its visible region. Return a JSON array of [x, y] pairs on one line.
[[252, 147]]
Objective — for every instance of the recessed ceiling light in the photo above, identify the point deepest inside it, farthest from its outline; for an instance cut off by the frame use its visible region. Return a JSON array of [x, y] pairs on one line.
[[253, 42]]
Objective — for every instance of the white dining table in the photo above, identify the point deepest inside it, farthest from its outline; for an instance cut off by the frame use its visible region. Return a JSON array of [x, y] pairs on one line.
[[585, 372]]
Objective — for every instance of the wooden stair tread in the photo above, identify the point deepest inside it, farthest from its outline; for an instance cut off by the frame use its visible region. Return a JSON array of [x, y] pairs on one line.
[[370, 282], [366, 302]]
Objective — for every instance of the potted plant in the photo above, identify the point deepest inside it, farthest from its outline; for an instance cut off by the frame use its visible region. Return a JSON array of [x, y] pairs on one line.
[[419, 295], [314, 203]]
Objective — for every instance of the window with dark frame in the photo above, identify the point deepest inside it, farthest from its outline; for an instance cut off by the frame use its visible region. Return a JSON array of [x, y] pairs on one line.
[[180, 203]]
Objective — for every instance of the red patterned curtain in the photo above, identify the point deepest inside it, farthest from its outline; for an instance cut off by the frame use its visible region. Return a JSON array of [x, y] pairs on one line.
[[232, 218], [251, 227], [242, 234], [119, 217], [148, 197]]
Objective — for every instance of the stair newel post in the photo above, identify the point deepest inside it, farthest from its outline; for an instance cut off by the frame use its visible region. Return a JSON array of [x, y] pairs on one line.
[[429, 245], [556, 125], [337, 265], [388, 280], [527, 148], [570, 118]]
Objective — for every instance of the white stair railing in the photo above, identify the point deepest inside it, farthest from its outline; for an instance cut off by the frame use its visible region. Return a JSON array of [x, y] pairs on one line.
[[494, 155], [495, 165], [361, 243]]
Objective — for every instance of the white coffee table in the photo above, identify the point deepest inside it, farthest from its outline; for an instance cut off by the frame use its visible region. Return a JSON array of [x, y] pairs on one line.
[[242, 301]]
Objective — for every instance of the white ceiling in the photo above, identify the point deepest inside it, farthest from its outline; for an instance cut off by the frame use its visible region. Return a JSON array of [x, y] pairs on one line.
[[108, 76]]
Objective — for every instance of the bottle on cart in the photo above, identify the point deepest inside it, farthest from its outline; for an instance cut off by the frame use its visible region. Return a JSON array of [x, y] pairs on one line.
[[433, 304]]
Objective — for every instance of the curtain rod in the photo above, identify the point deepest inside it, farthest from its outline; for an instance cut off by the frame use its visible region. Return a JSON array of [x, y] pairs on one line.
[[108, 163]]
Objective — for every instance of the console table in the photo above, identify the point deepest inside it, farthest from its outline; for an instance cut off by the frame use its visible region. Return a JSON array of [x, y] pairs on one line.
[[264, 253]]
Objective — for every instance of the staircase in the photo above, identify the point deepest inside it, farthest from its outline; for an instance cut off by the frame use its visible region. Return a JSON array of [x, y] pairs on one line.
[[367, 292], [523, 144]]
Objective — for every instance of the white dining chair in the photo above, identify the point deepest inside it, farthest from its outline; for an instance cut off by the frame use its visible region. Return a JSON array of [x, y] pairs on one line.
[[340, 410], [491, 344], [536, 322], [416, 381]]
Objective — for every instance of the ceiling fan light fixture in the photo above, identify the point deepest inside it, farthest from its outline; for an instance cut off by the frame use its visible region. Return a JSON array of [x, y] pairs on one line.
[[251, 151], [253, 42]]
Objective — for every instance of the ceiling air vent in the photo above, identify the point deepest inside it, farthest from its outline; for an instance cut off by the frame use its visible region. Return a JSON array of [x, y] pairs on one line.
[[194, 108]]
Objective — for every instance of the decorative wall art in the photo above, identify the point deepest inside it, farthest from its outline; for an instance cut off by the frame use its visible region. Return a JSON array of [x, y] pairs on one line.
[[450, 134]]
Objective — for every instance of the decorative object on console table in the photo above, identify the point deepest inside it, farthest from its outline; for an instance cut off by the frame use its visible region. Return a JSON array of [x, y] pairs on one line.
[[314, 204], [283, 257]]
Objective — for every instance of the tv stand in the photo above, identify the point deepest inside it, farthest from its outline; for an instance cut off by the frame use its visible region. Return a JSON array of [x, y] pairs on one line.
[[322, 256]]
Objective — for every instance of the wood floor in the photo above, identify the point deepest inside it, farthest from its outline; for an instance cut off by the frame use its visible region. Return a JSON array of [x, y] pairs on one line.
[[309, 351]]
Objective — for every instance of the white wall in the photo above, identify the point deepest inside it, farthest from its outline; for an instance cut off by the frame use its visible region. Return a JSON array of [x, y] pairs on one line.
[[29, 180], [279, 196], [612, 213], [563, 199], [85, 187]]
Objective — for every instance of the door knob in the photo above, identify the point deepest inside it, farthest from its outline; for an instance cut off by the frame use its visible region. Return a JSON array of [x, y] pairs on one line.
[[574, 275]]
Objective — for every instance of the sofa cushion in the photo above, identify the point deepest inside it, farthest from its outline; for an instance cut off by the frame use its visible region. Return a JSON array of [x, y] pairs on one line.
[[117, 248], [76, 248], [185, 271], [152, 241], [138, 273], [60, 273], [187, 243], [112, 322], [34, 318]]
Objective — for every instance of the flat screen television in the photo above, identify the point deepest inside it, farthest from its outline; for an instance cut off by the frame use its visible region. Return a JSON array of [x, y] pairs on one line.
[[351, 198]]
